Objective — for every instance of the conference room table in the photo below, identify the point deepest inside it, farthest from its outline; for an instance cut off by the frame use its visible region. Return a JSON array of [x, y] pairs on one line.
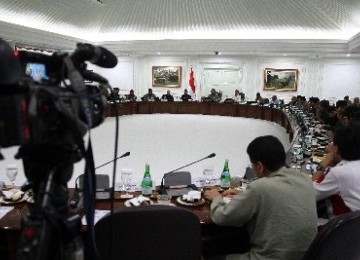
[[215, 239], [232, 109]]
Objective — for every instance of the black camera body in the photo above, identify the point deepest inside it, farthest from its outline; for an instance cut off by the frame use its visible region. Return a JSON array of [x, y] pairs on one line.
[[38, 109], [46, 108]]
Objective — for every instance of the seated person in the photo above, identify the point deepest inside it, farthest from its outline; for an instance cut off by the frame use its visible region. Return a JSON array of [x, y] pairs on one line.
[[150, 96], [351, 114], [185, 96], [356, 101], [214, 95], [259, 99], [347, 100], [313, 104], [302, 103], [274, 101], [340, 184], [239, 96], [292, 101], [278, 208], [167, 96], [131, 96], [114, 96]]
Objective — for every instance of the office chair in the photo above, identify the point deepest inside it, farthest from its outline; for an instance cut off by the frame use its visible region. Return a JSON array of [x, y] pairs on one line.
[[221, 240], [338, 239], [177, 178], [102, 182], [150, 232]]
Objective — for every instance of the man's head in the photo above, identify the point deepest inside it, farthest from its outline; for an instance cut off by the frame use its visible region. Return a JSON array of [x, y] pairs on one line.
[[347, 141], [168, 92], [185, 91], [313, 101], [132, 92], [267, 154], [356, 101], [350, 113], [150, 91]]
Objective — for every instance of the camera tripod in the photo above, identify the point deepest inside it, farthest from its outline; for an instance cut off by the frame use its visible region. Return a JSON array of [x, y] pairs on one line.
[[50, 230]]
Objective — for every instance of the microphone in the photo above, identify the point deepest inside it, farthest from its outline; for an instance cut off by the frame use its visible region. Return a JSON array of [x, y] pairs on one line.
[[119, 157], [74, 201], [162, 186], [95, 54]]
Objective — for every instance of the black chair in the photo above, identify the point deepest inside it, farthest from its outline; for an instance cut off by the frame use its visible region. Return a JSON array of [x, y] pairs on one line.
[[102, 182], [222, 240], [177, 178], [338, 239], [150, 232]]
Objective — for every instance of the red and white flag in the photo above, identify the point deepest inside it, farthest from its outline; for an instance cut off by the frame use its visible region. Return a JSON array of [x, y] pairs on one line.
[[192, 81]]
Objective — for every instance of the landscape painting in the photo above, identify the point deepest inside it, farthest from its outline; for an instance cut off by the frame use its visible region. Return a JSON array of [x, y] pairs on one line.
[[280, 79], [166, 76]]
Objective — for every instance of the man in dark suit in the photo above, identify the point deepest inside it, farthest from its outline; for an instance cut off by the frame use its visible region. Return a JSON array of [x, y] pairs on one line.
[[185, 96], [150, 96], [167, 96]]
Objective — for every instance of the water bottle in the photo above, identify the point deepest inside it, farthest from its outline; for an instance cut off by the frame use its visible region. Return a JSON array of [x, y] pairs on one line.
[[146, 184], [225, 177]]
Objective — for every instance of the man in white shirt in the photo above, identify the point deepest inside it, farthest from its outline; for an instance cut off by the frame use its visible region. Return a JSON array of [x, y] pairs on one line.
[[341, 183]]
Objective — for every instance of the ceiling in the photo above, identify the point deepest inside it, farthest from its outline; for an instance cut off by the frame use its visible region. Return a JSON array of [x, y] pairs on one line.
[[189, 27]]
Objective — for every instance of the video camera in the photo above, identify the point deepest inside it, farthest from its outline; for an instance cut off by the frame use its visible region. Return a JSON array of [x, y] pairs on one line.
[[41, 94], [46, 108]]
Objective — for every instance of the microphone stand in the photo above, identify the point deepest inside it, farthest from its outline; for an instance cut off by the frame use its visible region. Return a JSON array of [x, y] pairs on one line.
[[122, 156], [112, 190], [162, 186]]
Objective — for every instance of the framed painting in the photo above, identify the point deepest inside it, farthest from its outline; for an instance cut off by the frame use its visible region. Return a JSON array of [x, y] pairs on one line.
[[280, 79], [166, 76]]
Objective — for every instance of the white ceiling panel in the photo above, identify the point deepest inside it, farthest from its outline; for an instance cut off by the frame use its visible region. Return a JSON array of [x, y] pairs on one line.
[[179, 22]]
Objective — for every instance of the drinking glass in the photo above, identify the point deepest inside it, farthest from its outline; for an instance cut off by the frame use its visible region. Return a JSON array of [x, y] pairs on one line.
[[11, 173], [126, 175], [298, 155], [208, 173], [236, 182]]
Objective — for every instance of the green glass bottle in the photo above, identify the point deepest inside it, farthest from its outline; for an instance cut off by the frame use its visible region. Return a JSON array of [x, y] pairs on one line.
[[146, 184], [225, 177]]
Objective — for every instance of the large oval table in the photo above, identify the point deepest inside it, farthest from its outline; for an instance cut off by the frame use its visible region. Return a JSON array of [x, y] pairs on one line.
[[215, 239], [203, 108]]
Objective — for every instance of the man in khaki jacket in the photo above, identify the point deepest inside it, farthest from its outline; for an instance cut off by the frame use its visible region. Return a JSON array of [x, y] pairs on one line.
[[278, 209]]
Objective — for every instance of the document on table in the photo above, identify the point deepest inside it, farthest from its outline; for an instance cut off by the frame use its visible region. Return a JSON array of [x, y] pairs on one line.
[[4, 211], [99, 214]]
